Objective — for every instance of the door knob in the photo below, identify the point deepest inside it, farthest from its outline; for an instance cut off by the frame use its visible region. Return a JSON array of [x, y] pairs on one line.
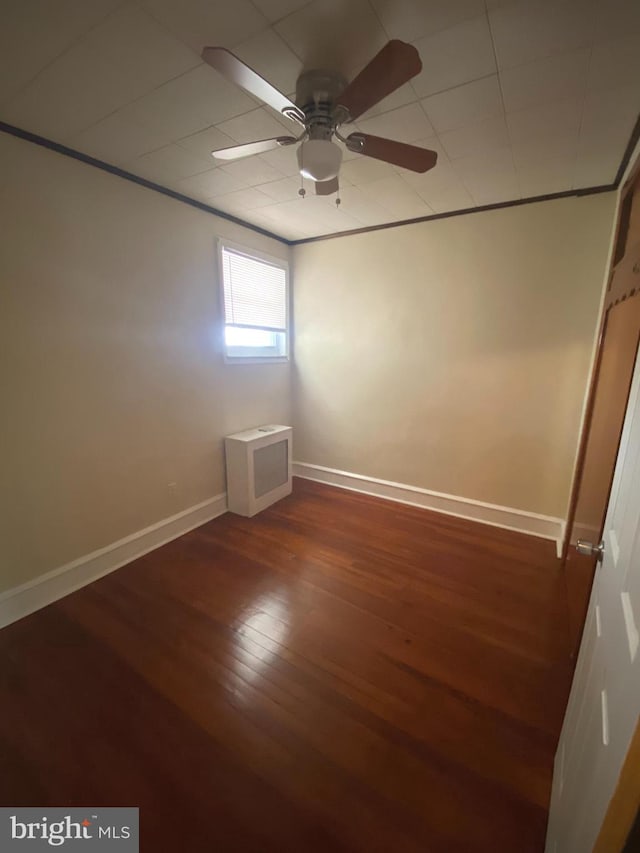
[[588, 549]]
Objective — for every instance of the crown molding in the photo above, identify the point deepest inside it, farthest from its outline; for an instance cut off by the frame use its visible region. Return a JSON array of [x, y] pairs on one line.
[[129, 176], [206, 208]]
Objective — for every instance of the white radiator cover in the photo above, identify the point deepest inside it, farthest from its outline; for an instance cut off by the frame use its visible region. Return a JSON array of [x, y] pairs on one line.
[[258, 468]]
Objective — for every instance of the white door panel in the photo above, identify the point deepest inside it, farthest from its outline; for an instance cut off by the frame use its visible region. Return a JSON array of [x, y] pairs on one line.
[[604, 704]]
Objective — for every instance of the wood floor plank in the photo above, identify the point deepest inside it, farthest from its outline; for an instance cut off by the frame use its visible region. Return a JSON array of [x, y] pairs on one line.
[[339, 673]]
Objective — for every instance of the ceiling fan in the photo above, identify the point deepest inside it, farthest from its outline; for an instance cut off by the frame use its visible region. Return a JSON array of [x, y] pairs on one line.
[[324, 102]]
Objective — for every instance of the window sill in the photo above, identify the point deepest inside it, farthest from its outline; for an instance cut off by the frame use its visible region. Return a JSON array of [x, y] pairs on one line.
[[254, 359]]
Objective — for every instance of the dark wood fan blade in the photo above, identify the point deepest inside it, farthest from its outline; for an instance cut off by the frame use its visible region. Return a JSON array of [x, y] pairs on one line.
[[327, 187], [394, 65], [236, 151], [398, 153], [237, 72]]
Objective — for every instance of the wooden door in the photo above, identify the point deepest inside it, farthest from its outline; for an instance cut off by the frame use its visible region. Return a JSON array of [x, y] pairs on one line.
[[604, 705], [619, 340]]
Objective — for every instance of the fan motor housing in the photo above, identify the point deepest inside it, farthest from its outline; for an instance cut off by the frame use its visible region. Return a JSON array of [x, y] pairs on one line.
[[316, 95]]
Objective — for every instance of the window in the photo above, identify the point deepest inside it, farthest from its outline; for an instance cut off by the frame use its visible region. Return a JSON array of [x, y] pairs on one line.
[[256, 298]]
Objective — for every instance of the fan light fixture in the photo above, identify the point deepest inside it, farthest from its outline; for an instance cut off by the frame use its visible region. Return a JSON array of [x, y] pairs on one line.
[[319, 159], [324, 102]]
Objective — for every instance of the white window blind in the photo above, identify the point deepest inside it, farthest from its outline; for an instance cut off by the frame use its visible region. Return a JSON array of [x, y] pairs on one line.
[[255, 292]]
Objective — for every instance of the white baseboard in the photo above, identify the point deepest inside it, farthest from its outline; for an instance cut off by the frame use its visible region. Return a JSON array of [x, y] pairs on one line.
[[43, 590], [544, 526]]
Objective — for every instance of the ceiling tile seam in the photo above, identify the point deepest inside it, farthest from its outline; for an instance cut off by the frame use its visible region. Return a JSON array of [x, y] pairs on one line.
[[457, 86], [277, 32], [288, 14], [146, 95], [66, 50], [504, 109], [413, 190], [182, 41], [378, 18]]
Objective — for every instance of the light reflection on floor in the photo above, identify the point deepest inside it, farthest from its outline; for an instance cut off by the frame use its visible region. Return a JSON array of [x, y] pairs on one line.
[[260, 632]]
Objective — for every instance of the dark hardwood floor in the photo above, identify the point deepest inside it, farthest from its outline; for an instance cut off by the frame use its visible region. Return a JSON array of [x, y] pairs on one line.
[[339, 673]]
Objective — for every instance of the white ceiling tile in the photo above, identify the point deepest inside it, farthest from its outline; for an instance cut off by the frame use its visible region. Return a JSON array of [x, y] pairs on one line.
[[615, 64], [283, 160], [327, 217], [268, 54], [455, 56], [609, 115], [273, 10], [241, 200], [59, 105], [405, 124], [208, 22], [531, 154], [543, 81], [463, 105], [320, 217], [285, 189], [170, 163], [490, 133], [251, 170], [533, 29], [204, 92], [616, 18], [172, 110], [441, 188], [116, 62], [210, 183], [595, 168], [453, 196], [394, 194], [114, 140], [337, 35], [252, 126], [143, 52], [205, 141], [490, 176], [30, 38], [290, 230], [190, 103], [544, 178], [284, 214], [358, 204], [546, 122], [362, 170], [412, 19]]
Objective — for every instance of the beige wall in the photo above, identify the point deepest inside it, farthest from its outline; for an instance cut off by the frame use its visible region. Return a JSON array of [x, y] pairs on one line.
[[453, 355], [112, 381], [450, 355]]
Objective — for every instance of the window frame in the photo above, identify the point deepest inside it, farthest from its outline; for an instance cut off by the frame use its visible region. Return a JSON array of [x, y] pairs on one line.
[[252, 355]]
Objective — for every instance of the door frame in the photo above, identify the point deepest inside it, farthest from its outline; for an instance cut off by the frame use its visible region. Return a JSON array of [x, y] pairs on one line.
[[617, 290], [624, 804]]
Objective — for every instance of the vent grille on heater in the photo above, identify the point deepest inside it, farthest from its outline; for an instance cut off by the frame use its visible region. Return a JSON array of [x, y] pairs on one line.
[[258, 468], [270, 467]]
